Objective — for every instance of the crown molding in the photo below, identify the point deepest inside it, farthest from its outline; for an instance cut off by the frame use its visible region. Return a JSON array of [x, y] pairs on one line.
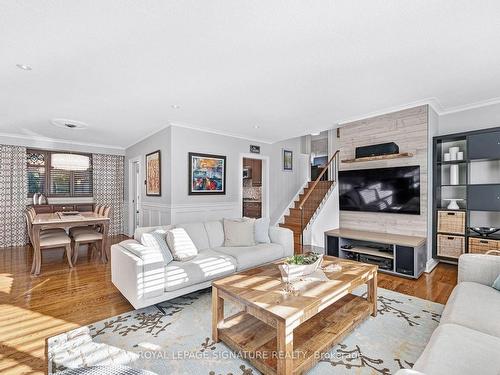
[[466, 107], [221, 132], [59, 140]]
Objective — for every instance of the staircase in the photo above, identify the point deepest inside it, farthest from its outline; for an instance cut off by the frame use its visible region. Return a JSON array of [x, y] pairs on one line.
[[308, 203]]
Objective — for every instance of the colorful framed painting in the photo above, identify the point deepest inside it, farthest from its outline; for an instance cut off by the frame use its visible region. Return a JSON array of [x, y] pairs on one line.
[[287, 160], [153, 174], [207, 174]]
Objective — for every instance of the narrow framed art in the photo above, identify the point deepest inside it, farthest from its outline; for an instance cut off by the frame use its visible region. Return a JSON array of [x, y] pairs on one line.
[[287, 160], [153, 174], [207, 174]]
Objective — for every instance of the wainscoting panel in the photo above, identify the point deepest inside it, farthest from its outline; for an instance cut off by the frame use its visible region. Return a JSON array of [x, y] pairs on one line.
[[186, 213], [407, 128], [155, 214]]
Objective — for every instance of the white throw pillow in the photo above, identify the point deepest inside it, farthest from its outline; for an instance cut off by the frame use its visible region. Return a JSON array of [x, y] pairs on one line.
[[157, 240], [181, 245], [239, 232], [262, 230]]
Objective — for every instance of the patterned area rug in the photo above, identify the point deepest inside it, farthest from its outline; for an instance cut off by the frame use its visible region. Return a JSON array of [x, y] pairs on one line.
[[173, 337]]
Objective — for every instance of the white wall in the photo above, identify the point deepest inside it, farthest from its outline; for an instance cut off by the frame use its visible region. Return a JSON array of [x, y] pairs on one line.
[[176, 205], [155, 210], [470, 119]]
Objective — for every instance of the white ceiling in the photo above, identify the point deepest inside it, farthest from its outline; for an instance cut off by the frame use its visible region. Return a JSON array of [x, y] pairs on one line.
[[291, 67]]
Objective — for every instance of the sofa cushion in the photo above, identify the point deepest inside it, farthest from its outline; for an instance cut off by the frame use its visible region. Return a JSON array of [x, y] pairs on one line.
[[496, 283], [157, 240], [474, 305], [457, 350], [239, 232], [215, 232], [262, 230], [207, 266], [139, 231], [180, 244], [247, 257], [197, 233]]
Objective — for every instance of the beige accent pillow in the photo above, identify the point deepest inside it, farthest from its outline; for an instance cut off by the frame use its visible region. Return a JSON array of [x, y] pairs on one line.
[[180, 244], [239, 232]]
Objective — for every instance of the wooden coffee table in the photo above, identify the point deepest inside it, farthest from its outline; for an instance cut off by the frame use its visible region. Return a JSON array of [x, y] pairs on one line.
[[286, 333]]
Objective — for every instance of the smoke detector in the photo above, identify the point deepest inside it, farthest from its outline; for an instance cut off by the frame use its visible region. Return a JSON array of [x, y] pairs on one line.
[[69, 124]]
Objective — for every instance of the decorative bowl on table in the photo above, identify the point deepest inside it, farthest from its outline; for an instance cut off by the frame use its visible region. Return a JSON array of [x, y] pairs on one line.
[[484, 231], [297, 266]]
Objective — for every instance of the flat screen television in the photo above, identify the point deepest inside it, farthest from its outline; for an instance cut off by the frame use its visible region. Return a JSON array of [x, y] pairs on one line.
[[392, 190]]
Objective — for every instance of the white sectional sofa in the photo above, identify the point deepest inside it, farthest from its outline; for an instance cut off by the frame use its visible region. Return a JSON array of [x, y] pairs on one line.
[[141, 275], [467, 340]]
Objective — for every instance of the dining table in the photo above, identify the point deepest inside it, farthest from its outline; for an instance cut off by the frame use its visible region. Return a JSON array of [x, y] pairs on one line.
[[67, 220]]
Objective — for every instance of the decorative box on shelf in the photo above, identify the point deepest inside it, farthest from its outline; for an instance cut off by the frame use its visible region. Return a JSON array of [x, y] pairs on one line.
[[482, 245], [450, 246], [451, 222]]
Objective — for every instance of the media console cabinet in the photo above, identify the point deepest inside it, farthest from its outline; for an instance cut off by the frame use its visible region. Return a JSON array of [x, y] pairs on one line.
[[394, 253]]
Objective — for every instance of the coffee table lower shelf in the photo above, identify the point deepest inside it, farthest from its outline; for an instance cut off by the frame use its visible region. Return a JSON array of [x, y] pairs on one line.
[[256, 341]]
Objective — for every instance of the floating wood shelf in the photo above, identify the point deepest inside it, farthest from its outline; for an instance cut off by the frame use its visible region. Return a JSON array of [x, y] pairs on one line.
[[380, 157]]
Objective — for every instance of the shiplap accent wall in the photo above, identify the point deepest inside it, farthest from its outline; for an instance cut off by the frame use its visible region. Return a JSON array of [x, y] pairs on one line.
[[408, 129]]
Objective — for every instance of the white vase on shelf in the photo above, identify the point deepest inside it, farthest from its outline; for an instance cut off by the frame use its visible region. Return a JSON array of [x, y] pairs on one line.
[[453, 152], [454, 175], [453, 205]]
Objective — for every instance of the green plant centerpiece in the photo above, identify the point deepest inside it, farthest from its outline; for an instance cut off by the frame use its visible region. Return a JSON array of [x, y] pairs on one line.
[[297, 266], [302, 259]]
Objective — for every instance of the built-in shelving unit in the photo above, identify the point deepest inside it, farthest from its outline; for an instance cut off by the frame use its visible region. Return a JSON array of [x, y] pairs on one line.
[[379, 157], [477, 189]]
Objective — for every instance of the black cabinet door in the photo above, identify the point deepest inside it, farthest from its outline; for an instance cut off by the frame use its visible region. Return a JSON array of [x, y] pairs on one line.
[[332, 246], [405, 260], [483, 197], [484, 146]]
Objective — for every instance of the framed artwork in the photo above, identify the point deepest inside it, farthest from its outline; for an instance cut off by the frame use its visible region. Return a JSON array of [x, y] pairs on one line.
[[153, 174], [207, 174], [254, 149], [287, 160]]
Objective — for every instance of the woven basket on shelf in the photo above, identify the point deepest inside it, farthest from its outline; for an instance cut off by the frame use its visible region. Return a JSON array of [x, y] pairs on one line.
[[450, 246], [451, 222], [482, 246]]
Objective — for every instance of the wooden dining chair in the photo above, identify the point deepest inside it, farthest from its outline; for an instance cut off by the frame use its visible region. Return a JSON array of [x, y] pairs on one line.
[[97, 208], [48, 240], [32, 213], [92, 237]]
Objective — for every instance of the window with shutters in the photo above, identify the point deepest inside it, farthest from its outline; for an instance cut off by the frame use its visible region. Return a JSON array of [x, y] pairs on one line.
[[54, 180]]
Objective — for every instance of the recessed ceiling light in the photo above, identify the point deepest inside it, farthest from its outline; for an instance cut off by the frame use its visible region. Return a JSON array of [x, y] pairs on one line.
[[68, 124], [175, 106], [256, 126], [316, 133], [24, 67]]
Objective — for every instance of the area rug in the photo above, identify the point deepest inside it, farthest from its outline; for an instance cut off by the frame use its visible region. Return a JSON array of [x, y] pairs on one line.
[[174, 337]]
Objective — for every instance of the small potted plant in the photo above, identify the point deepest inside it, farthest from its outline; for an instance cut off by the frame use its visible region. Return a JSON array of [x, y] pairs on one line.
[[300, 265]]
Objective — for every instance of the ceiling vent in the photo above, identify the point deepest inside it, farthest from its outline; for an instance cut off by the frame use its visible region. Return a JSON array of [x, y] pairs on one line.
[[69, 124]]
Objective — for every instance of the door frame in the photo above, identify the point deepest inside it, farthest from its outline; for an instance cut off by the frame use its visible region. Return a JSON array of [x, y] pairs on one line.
[[265, 182], [131, 212]]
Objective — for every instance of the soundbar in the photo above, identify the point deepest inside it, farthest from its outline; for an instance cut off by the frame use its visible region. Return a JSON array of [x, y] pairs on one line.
[[377, 150]]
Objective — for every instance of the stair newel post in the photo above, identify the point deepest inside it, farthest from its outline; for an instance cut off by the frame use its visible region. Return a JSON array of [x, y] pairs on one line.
[[301, 229]]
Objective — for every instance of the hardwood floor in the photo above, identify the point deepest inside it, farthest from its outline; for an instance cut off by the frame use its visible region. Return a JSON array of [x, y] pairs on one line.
[[60, 299], [35, 308]]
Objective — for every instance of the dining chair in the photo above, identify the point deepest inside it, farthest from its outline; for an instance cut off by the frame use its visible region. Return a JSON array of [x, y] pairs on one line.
[[92, 237], [97, 208], [32, 212], [48, 240]]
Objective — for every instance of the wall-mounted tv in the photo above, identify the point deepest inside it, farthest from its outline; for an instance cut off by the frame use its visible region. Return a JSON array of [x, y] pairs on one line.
[[393, 190]]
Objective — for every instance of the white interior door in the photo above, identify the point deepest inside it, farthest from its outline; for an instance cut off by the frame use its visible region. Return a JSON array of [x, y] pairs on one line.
[[136, 184]]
